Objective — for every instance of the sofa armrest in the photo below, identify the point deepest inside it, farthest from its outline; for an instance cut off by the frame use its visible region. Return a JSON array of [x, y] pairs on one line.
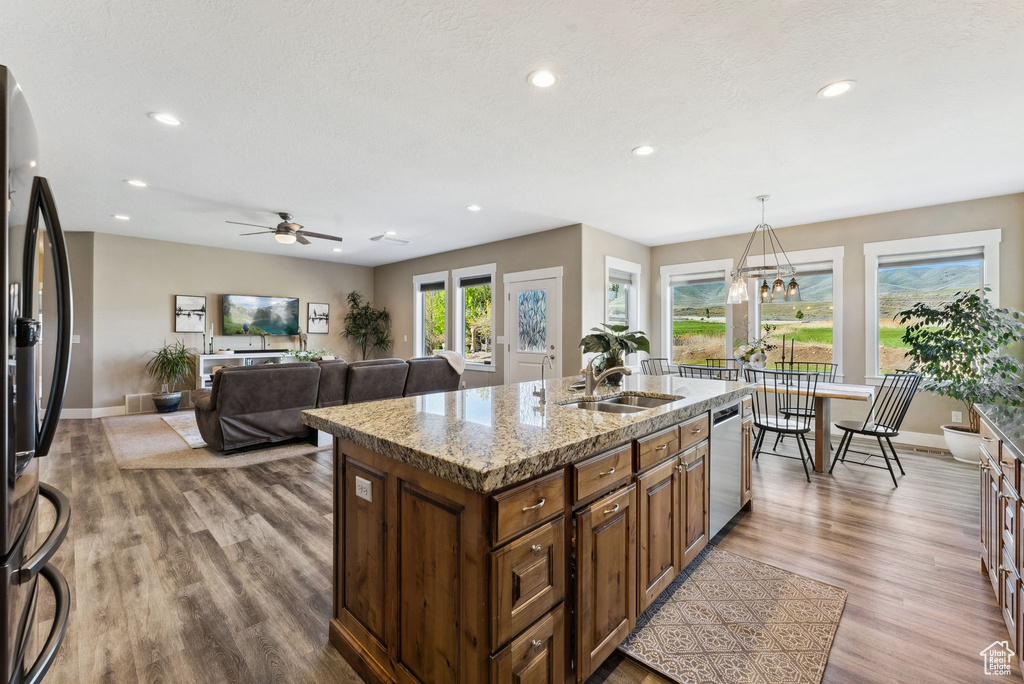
[[203, 400]]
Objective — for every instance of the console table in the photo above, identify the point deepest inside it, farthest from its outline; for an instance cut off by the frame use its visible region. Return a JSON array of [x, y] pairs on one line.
[[206, 362]]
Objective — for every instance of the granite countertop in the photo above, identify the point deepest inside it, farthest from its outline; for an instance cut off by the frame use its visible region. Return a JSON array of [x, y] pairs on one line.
[[1008, 424], [488, 438]]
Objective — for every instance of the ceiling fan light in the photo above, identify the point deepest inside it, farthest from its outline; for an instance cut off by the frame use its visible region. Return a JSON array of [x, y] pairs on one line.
[[285, 238]]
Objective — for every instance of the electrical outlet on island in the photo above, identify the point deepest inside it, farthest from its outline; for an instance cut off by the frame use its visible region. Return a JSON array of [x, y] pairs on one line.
[[958, 417]]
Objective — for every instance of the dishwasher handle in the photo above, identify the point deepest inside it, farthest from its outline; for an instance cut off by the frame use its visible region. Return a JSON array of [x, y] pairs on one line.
[[725, 414]]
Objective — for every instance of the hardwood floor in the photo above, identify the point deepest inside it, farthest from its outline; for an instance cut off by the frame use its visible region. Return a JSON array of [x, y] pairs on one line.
[[224, 575]]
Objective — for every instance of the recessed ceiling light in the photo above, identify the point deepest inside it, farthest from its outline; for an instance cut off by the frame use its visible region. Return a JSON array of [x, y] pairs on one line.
[[474, 207], [644, 150], [32, 164], [542, 78], [166, 119], [136, 182], [836, 89], [387, 232], [336, 249], [122, 217]]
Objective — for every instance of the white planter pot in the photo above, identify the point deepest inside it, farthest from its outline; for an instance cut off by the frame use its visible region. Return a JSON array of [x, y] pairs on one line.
[[963, 445]]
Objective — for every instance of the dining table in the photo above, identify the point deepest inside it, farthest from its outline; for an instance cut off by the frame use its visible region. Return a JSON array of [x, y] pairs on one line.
[[824, 394]]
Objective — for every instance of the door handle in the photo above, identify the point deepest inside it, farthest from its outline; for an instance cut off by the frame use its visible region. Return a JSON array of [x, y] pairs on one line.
[[613, 509], [45, 552], [62, 602]]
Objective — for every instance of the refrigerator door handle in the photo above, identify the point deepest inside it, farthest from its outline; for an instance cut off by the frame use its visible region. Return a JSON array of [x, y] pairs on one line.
[[62, 601], [42, 203], [32, 566]]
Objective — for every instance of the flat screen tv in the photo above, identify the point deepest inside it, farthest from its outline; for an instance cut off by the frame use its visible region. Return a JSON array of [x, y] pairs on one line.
[[246, 315]]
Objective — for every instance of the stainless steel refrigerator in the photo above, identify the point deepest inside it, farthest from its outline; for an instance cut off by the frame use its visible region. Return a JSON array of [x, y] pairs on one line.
[[37, 339]]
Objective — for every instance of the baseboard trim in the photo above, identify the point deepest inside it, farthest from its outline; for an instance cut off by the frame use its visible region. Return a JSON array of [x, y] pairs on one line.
[[916, 440], [86, 413]]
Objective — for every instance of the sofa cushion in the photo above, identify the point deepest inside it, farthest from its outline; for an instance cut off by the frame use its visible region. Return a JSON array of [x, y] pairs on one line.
[[333, 381], [430, 374], [202, 399], [375, 379]]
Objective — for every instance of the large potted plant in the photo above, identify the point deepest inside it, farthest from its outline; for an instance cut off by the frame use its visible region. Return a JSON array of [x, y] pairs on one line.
[[613, 342], [171, 365], [367, 327], [959, 348]]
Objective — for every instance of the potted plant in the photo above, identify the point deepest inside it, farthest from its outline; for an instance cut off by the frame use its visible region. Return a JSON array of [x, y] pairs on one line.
[[613, 342], [959, 348], [171, 365], [367, 327]]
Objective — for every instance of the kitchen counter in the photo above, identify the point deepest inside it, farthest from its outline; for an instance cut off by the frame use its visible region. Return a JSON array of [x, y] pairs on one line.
[[1007, 422], [489, 438]]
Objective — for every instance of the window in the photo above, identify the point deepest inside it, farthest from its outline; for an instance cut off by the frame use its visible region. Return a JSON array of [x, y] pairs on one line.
[[697, 324], [474, 325], [622, 290], [619, 284], [431, 329], [812, 326], [901, 273]]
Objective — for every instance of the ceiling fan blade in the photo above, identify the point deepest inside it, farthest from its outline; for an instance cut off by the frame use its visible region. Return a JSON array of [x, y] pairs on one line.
[[301, 239], [322, 236], [254, 225], [262, 232]]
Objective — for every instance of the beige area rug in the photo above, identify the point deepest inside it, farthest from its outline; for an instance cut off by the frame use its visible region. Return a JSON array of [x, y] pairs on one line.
[[148, 442], [184, 423], [732, 619]]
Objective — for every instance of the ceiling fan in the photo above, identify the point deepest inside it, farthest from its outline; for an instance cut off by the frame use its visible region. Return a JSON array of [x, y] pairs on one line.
[[287, 231]]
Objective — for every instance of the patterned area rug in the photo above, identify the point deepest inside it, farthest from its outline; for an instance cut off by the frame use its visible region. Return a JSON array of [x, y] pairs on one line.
[[731, 619]]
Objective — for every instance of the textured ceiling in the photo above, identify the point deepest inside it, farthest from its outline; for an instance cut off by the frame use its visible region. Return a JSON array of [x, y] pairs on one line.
[[361, 117]]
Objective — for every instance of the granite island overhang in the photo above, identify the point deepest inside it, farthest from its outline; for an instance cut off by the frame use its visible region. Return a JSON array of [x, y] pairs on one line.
[[484, 535]]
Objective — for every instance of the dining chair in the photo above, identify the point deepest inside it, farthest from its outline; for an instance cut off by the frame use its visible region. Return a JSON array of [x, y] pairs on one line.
[[825, 371], [656, 367], [783, 389], [882, 422], [722, 363], [708, 372]]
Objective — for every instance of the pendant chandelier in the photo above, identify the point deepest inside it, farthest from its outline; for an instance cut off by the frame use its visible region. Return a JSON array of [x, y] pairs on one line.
[[771, 273]]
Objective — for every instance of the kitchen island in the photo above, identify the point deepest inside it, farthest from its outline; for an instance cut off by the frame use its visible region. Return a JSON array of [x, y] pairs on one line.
[[487, 535]]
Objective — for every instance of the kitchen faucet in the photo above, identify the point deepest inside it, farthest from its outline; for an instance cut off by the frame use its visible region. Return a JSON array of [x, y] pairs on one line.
[[548, 360], [593, 381]]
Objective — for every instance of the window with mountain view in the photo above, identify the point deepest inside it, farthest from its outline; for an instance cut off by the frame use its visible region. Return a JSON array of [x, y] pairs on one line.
[[698, 318], [905, 280], [807, 324]]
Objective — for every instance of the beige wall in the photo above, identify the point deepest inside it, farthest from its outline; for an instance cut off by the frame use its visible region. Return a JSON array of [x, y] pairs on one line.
[[1005, 212], [134, 281], [597, 244], [393, 288]]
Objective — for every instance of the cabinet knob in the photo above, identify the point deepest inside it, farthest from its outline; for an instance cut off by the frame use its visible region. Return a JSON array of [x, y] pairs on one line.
[[536, 548], [679, 468], [536, 644], [539, 504], [612, 509]]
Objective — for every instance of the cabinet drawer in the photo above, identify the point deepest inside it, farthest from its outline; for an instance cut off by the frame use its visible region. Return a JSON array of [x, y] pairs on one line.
[[523, 507], [527, 580], [693, 431], [602, 473], [655, 448], [536, 657]]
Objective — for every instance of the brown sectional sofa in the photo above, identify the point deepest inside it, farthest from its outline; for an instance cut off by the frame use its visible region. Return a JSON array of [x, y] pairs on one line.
[[252, 405]]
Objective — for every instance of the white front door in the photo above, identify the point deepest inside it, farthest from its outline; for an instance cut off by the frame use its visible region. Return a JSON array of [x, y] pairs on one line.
[[533, 328]]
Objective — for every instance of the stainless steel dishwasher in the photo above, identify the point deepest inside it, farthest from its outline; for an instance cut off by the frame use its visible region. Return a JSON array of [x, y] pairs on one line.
[[725, 466]]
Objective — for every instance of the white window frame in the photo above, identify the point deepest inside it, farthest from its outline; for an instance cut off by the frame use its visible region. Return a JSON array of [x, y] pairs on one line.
[[417, 280], [987, 240], [632, 296], [460, 313], [822, 255], [692, 268]]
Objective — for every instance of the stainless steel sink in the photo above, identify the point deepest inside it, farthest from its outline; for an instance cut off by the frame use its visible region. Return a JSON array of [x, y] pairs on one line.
[[605, 407], [642, 402]]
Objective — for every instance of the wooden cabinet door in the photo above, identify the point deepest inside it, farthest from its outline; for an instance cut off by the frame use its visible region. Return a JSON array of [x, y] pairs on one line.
[[694, 506], [659, 536], [537, 656], [746, 456], [605, 577]]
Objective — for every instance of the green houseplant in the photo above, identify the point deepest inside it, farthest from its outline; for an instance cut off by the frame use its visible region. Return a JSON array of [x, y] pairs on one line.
[[613, 342], [171, 365], [960, 349], [367, 327]]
